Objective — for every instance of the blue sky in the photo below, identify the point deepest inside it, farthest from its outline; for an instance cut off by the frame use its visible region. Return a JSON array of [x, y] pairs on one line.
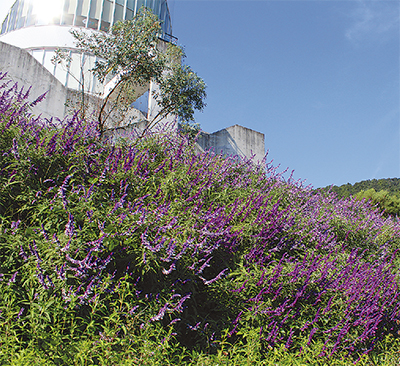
[[319, 78]]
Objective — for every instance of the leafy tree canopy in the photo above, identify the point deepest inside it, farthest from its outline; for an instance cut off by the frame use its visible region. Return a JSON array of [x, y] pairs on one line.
[[132, 55], [384, 193], [392, 185]]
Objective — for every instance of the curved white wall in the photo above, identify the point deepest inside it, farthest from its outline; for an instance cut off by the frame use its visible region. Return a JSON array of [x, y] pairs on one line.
[[42, 26], [46, 36]]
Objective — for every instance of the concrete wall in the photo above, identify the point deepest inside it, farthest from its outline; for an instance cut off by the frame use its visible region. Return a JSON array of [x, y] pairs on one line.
[[43, 36], [234, 140], [26, 71]]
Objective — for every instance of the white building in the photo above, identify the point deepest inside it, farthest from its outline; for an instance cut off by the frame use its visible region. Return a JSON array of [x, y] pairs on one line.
[[34, 29], [41, 26]]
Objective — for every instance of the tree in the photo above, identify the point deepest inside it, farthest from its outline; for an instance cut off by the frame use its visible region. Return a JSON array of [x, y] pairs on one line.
[[387, 203], [131, 57], [181, 91]]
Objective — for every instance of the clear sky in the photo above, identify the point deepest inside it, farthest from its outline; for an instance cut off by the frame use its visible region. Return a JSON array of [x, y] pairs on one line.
[[319, 78]]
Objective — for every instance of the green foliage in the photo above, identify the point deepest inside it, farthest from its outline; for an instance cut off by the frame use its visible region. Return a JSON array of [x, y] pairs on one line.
[[143, 253], [129, 57], [130, 49], [383, 193], [392, 185], [182, 91], [387, 203], [189, 130]]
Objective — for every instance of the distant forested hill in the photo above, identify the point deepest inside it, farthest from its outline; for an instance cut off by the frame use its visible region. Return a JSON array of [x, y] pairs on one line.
[[391, 185], [385, 193]]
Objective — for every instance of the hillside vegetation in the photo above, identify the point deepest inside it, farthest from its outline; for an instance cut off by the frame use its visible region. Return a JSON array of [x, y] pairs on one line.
[[382, 193], [391, 185], [144, 253]]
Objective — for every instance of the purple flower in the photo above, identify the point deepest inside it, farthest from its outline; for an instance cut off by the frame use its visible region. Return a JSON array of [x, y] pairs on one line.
[[66, 247], [14, 149], [195, 327], [205, 264], [69, 227], [171, 268], [14, 225], [178, 306], [12, 279], [23, 254], [209, 282], [62, 190], [20, 312], [173, 321], [160, 314], [133, 309]]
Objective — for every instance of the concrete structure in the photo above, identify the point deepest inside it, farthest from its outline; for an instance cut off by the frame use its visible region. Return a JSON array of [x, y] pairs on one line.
[[40, 27], [234, 140], [25, 70], [34, 29], [22, 68]]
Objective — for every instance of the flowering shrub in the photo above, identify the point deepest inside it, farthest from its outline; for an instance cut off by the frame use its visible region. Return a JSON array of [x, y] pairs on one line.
[[108, 246]]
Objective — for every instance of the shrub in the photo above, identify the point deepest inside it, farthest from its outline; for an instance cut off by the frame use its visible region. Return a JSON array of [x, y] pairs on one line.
[[114, 252]]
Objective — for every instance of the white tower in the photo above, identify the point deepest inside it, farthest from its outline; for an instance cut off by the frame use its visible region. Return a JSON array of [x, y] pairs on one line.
[[41, 26]]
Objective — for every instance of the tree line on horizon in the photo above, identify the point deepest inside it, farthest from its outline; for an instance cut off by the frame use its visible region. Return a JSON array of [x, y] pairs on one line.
[[385, 193]]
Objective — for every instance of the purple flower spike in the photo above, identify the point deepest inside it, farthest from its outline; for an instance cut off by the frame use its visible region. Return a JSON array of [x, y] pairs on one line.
[[14, 149], [160, 314], [133, 309], [14, 225], [171, 268], [12, 279], [69, 227], [209, 282], [20, 312]]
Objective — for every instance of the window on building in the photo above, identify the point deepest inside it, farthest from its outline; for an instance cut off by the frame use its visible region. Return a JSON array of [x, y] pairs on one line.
[[119, 13], [38, 55], [82, 11], [157, 6], [12, 18], [130, 4], [95, 9], [88, 64], [74, 74], [48, 55], [106, 16], [23, 14], [129, 14], [61, 73], [29, 19], [69, 12], [4, 25], [140, 3], [163, 15]]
